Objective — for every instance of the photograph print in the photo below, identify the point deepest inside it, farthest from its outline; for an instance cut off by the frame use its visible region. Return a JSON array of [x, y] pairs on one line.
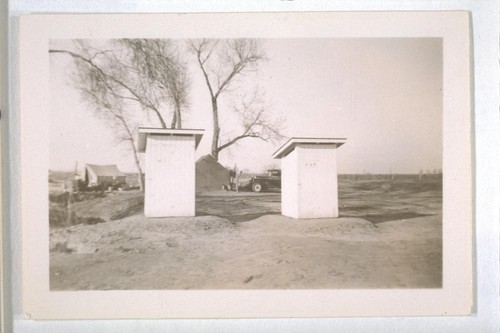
[[228, 164]]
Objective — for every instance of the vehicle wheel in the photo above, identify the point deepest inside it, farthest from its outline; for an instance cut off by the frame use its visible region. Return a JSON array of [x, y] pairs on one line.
[[257, 187]]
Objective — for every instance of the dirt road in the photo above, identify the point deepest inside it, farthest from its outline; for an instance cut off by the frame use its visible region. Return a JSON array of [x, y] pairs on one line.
[[388, 236]]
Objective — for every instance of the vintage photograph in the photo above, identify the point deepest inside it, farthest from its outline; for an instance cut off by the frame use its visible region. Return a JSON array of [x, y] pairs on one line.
[[245, 163]]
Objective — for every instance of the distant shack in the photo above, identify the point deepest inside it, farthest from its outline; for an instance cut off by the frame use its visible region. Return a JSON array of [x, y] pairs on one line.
[[60, 181], [210, 174], [102, 175]]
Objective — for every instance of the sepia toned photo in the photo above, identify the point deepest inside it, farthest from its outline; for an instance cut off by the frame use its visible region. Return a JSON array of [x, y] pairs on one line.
[[315, 163], [212, 173]]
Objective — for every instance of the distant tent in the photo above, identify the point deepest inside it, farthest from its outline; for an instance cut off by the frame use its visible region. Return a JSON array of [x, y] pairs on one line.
[[210, 174], [103, 175]]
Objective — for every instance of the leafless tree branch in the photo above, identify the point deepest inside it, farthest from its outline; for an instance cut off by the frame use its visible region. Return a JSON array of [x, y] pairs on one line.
[[221, 63], [147, 73]]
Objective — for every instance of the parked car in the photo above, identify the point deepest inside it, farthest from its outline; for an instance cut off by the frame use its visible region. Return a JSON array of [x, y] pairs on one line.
[[262, 183]]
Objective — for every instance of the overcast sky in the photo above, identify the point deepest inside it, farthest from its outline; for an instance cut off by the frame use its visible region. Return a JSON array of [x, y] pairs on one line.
[[383, 95]]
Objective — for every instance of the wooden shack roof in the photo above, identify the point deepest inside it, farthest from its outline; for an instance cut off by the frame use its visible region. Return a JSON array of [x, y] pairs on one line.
[[145, 131], [290, 145], [110, 170]]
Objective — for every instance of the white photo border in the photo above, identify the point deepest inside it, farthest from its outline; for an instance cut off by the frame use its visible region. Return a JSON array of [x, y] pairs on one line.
[[455, 298]]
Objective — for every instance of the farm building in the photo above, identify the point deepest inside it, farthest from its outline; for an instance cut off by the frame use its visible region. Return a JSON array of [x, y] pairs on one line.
[[102, 175], [169, 170], [210, 174], [309, 177], [61, 181]]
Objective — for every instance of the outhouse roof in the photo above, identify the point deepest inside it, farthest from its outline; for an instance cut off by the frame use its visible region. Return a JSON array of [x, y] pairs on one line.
[[290, 145], [145, 131]]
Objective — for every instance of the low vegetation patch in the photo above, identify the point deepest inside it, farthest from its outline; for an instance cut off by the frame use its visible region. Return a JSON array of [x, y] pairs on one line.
[[92, 207]]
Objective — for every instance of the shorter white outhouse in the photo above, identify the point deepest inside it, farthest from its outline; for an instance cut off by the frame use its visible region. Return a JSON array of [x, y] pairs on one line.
[[169, 170], [309, 177]]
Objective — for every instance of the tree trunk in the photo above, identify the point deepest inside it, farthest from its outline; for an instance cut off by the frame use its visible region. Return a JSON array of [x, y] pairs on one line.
[[215, 136], [174, 120], [141, 176], [178, 117], [138, 166]]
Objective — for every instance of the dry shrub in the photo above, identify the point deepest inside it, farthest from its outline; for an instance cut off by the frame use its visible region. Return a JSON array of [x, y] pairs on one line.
[[60, 217], [93, 207], [129, 207]]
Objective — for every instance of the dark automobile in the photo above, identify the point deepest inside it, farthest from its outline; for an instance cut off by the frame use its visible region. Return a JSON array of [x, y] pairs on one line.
[[270, 181]]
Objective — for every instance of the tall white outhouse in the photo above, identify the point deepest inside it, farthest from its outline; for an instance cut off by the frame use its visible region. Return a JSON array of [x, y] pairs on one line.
[[169, 170], [309, 177]]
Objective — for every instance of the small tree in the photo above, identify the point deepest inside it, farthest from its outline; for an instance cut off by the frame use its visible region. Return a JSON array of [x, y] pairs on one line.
[[160, 66], [127, 74], [222, 64]]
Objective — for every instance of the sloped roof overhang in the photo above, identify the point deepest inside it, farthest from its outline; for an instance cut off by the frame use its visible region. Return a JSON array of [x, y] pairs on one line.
[[291, 144], [145, 131]]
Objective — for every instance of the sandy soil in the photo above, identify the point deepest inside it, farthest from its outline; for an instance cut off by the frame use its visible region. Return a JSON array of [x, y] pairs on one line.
[[240, 241]]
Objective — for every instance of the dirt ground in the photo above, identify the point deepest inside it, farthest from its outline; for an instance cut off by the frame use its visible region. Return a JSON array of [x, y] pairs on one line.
[[388, 236]]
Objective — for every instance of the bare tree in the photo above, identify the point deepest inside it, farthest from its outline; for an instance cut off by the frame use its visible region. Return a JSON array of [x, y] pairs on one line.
[[115, 81], [102, 72], [160, 65], [223, 63], [255, 120]]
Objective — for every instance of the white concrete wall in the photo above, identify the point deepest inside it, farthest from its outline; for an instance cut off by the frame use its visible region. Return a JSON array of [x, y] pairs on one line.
[[309, 182], [170, 176], [289, 185]]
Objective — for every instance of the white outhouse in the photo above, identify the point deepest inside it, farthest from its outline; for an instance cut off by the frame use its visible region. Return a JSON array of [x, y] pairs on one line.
[[309, 177], [169, 170]]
